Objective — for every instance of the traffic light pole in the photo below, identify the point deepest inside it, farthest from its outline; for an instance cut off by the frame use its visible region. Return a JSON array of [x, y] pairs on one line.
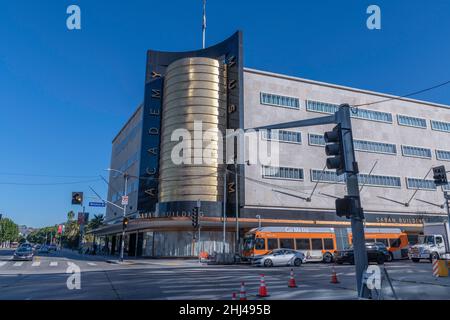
[[342, 118]]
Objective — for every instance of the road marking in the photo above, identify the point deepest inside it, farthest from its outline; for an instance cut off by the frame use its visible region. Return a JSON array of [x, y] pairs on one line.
[[92, 264], [53, 264], [2, 263], [18, 264], [36, 264]]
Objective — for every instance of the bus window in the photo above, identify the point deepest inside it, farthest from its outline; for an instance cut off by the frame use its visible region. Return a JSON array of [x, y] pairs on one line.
[[302, 244], [395, 243], [272, 244], [260, 244], [287, 243], [328, 244], [316, 244]]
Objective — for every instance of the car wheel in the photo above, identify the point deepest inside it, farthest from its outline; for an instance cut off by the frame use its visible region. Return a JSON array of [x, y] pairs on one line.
[[268, 263], [434, 256], [380, 259], [297, 262], [415, 260], [390, 257], [327, 258]]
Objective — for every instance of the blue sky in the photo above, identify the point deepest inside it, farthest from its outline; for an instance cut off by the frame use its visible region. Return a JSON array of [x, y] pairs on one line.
[[64, 94]]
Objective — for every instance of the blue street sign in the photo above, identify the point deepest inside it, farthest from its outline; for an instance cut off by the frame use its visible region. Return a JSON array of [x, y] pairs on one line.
[[96, 204]]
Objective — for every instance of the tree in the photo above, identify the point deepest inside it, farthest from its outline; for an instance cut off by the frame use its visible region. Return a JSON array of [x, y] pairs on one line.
[[70, 216], [96, 222], [9, 231]]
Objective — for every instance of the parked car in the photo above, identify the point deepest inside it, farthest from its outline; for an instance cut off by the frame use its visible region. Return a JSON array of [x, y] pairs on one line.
[[23, 253], [376, 252], [52, 247], [280, 257], [43, 249]]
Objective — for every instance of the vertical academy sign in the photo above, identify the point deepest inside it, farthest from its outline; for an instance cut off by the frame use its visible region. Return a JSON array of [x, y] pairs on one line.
[[229, 51]]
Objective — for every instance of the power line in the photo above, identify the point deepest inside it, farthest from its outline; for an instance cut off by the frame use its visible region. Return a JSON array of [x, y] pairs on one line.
[[404, 96], [47, 184], [43, 175]]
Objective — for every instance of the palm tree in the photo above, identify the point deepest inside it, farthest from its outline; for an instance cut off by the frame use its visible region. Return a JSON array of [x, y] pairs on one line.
[[96, 222], [70, 215]]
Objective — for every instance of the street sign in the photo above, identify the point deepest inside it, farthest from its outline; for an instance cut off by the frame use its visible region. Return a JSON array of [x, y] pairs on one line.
[[96, 204], [124, 200]]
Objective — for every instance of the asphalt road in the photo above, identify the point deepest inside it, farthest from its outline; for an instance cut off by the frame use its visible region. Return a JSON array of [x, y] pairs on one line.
[[46, 277]]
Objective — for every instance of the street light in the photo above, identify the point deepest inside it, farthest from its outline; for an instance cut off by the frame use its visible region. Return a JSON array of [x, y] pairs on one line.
[[259, 220], [125, 176]]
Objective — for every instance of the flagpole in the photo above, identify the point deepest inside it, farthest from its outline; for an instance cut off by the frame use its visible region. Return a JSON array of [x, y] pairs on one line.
[[204, 23]]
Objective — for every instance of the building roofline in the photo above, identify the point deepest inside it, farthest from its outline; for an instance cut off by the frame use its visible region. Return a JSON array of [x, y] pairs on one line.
[[128, 121], [335, 86]]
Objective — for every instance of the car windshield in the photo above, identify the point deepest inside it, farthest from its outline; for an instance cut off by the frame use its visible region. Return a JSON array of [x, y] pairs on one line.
[[23, 249], [426, 239], [249, 242]]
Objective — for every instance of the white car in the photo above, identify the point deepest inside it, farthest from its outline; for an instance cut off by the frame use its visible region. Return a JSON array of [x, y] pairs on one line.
[[280, 257]]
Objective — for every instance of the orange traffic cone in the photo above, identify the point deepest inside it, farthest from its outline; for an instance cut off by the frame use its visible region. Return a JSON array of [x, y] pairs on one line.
[[334, 278], [242, 293], [262, 288], [291, 283], [233, 297]]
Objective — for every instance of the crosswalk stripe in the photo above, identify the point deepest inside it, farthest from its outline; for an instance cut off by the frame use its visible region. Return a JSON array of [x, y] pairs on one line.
[[53, 264], [92, 264], [36, 264], [2, 263], [18, 264]]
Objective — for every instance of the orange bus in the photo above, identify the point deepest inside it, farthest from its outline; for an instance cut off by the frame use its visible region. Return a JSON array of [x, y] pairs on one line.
[[395, 240], [318, 244]]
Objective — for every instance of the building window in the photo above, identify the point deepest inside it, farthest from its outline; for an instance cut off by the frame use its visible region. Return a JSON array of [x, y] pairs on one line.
[[443, 155], [360, 145], [130, 136], [326, 176], [411, 121], [421, 184], [282, 135], [440, 126], [358, 113], [379, 181], [280, 101], [372, 146], [316, 139], [418, 152], [282, 173], [446, 187]]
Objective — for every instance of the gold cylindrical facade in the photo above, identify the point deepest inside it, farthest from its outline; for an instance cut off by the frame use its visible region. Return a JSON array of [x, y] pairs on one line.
[[195, 92]]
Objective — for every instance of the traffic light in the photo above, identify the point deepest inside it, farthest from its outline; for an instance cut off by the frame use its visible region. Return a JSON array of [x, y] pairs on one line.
[[349, 207], [77, 198], [194, 217], [335, 147], [125, 222], [440, 176]]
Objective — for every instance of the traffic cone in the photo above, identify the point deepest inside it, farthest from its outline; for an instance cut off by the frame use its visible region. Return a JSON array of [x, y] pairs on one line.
[[233, 297], [262, 288], [334, 278], [291, 282], [242, 293]]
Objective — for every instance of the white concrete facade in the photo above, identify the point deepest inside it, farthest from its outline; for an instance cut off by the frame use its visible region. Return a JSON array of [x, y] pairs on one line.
[[307, 157]]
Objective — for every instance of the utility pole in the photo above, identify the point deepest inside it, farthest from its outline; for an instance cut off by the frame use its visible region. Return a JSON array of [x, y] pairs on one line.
[[236, 199], [125, 175], [224, 209], [204, 24]]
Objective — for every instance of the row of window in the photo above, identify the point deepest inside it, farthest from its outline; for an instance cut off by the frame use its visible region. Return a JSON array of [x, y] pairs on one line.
[[123, 168], [131, 187], [389, 148], [282, 135], [130, 136], [296, 244], [280, 101], [317, 106], [364, 179], [359, 113]]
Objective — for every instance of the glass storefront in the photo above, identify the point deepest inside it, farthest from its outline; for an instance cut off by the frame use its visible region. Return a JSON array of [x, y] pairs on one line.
[[181, 243]]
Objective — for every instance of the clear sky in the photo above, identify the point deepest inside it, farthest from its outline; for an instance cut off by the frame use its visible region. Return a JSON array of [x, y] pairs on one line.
[[65, 94]]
